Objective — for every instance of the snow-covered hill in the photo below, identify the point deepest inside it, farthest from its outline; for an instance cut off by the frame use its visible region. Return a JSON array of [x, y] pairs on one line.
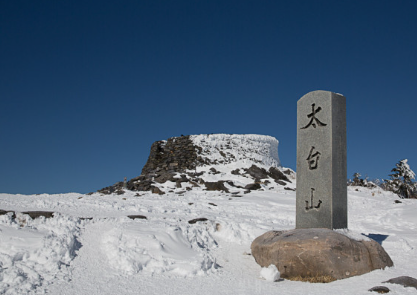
[[194, 238], [240, 161]]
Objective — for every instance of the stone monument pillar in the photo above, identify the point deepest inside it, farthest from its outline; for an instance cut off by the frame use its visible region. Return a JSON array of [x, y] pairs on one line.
[[321, 161]]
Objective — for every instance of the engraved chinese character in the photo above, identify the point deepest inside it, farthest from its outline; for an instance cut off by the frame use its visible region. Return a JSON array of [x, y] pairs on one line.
[[311, 204], [314, 120], [313, 159]]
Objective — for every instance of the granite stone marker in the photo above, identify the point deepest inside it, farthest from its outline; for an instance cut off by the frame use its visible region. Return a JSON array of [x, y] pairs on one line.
[[321, 161]]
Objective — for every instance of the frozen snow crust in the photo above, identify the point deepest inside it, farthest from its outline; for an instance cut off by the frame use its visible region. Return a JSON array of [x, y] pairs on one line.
[[244, 149], [34, 253]]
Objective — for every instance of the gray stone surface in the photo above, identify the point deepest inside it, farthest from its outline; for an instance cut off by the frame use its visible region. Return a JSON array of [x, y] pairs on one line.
[[318, 252], [379, 289], [405, 281], [321, 161]]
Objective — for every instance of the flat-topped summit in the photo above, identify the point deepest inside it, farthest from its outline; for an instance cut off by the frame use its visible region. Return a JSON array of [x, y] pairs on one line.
[[195, 159], [238, 148]]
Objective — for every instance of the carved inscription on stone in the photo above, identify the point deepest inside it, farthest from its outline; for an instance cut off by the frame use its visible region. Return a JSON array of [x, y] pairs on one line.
[[313, 119], [321, 161], [313, 158], [311, 202]]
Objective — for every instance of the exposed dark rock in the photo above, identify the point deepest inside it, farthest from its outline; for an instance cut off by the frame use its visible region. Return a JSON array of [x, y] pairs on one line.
[[156, 190], [379, 289], [164, 177], [231, 183], [405, 281], [236, 172], [196, 174], [166, 158], [289, 189], [137, 217], [183, 178], [212, 204], [86, 218], [192, 221], [276, 174], [176, 154], [280, 182], [253, 186], [397, 202], [37, 214], [261, 173], [256, 172], [214, 171], [216, 186], [194, 184]]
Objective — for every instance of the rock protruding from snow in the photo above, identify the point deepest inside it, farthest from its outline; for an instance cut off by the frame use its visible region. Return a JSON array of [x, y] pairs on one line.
[[209, 161], [318, 252]]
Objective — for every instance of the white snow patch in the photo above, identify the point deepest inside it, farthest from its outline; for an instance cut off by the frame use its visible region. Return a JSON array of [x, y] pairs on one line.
[[270, 273], [352, 234], [35, 252], [157, 248], [244, 149]]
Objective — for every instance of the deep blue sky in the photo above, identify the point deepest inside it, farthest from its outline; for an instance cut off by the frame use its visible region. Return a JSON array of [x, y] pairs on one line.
[[87, 86]]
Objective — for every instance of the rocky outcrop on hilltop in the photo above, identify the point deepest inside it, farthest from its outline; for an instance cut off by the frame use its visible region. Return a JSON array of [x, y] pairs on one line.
[[209, 162]]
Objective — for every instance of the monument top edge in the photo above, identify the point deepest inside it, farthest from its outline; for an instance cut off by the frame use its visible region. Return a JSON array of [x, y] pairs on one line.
[[321, 92]]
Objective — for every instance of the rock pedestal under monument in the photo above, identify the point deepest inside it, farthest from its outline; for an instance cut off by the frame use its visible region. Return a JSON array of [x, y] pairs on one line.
[[317, 252]]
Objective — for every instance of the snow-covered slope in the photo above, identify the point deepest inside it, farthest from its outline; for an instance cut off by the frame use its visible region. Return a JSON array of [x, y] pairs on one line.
[[166, 254]]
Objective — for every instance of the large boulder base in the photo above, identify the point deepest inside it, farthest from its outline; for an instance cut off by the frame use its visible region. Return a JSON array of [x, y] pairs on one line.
[[318, 252]]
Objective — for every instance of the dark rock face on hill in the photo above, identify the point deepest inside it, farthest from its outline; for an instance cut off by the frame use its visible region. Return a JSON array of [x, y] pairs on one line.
[[177, 158], [177, 154]]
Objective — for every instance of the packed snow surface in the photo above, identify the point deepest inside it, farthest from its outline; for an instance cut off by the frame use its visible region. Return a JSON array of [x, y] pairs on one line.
[[165, 254]]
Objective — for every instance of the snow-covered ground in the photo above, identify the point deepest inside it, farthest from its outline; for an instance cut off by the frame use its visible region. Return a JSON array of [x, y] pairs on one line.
[[165, 254]]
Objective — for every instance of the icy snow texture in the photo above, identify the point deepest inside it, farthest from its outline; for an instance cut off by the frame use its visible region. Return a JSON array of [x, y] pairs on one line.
[[34, 252], [156, 248], [243, 149], [270, 273]]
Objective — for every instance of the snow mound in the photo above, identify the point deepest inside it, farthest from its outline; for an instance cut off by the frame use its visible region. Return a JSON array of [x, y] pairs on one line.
[[270, 273], [159, 248], [242, 148], [35, 252]]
